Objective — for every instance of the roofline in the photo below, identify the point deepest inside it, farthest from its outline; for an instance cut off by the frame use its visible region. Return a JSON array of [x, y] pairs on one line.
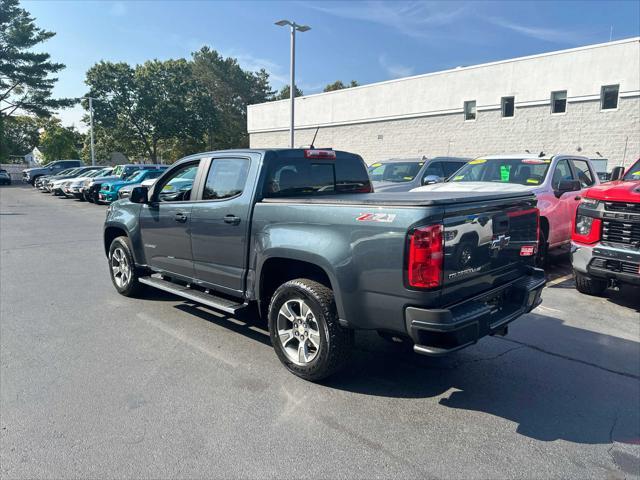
[[461, 69]]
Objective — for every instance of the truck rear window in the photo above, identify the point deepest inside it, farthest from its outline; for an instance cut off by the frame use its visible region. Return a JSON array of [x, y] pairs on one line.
[[303, 177]]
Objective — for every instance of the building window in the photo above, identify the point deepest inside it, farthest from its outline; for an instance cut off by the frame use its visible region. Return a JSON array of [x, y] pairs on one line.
[[470, 110], [559, 101], [609, 97], [508, 104]]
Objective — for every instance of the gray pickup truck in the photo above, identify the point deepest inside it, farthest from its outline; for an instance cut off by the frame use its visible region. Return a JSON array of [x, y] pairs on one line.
[[299, 235]]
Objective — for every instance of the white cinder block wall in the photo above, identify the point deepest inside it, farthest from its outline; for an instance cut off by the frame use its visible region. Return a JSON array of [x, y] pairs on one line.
[[401, 119]]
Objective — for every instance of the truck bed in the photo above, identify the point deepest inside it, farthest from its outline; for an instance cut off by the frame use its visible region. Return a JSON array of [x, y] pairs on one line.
[[401, 199]]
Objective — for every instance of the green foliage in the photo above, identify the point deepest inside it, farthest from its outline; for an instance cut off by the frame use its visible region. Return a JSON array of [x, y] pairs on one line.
[[58, 142], [26, 81], [18, 135], [338, 85], [283, 94], [168, 109]]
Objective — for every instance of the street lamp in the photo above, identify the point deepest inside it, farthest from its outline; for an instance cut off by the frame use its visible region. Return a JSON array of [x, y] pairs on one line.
[[93, 153], [292, 84]]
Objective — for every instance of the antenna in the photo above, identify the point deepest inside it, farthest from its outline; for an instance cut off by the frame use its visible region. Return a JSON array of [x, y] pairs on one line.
[[611, 33], [314, 137]]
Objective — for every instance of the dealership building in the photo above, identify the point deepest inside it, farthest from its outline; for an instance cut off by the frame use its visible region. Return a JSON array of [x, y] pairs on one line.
[[584, 101]]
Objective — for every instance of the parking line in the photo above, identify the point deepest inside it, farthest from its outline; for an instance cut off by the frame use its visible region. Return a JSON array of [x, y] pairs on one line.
[[558, 280]]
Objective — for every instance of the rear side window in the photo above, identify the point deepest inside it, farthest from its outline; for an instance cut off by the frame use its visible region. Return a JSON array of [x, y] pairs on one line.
[[226, 178], [301, 176]]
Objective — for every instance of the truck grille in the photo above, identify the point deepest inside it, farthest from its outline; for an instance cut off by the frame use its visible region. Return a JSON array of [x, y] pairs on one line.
[[622, 207], [621, 232], [616, 266]]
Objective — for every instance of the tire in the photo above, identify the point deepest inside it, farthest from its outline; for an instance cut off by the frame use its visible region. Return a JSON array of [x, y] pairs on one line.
[[87, 197], [318, 324], [126, 284], [590, 286], [542, 257]]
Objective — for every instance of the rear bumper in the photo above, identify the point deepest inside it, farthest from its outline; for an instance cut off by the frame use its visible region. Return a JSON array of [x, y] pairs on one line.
[[607, 262], [438, 332]]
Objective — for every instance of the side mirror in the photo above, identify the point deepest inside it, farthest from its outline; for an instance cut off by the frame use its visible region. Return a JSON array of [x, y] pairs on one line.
[[139, 195], [617, 173], [430, 179], [568, 186]]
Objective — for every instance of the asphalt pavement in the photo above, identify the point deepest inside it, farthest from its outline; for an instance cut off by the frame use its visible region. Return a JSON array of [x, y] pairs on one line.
[[93, 384]]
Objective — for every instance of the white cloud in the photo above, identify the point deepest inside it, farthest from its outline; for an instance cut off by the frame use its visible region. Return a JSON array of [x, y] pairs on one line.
[[395, 70], [416, 19], [118, 9], [555, 35]]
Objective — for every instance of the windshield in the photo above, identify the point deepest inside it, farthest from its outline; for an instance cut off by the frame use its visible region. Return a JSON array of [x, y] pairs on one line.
[[522, 171], [394, 171], [633, 173]]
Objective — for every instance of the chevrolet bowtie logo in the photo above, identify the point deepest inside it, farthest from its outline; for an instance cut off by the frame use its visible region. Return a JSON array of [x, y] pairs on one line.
[[500, 242]]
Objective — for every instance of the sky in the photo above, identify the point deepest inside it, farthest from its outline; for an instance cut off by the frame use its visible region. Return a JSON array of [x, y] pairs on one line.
[[366, 41]]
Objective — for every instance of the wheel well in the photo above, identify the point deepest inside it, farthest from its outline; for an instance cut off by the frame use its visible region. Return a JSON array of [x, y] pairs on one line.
[[110, 234], [544, 226], [277, 271]]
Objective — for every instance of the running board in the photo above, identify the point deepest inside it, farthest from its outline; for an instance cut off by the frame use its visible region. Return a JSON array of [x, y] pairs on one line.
[[213, 301]]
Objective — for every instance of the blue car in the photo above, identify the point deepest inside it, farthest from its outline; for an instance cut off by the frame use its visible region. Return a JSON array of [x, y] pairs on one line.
[[109, 190]]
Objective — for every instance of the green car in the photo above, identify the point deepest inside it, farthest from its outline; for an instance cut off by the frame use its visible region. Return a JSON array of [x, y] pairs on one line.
[[109, 191]]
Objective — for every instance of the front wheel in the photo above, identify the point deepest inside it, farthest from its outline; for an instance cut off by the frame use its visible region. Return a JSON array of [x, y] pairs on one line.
[[305, 332], [124, 274], [588, 285]]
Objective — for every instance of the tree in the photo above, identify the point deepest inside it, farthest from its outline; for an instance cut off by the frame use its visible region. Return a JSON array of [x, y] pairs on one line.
[[338, 85], [283, 94], [19, 135], [150, 103], [26, 83], [58, 142], [223, 91]]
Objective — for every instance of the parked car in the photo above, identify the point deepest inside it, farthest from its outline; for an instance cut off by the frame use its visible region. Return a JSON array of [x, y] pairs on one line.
[[91, 192], [558, 181], [73, 188], [41, 182], [30, 175], [56, 184], [109, 191], [125, 191], [605, 248], [404, 174], [47, 182], [5, 178], [296, 233]]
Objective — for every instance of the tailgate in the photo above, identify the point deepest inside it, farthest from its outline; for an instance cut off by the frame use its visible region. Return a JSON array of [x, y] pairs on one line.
[[487, 244]]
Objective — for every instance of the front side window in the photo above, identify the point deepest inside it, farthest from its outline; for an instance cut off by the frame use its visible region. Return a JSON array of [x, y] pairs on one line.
[[508, 106], [470, 110], [583, 172], [559, 102], [434, 169], [177, 187], [394, 171], [226, 178], [562, 172], [609, 97], [451, 167]]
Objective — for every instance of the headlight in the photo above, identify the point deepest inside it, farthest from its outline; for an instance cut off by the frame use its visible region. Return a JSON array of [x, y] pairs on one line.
[[583, 224], [589, 202]]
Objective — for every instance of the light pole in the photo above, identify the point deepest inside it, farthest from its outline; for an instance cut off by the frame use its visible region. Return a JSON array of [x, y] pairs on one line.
[[292, 84], [93, 153]]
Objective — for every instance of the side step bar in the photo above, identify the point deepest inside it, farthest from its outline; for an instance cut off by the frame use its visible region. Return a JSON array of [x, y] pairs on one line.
[[219, 303]]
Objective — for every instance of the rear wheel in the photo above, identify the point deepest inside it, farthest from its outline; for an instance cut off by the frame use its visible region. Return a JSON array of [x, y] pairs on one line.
[[588, 285], [122, 268], [305, 332]]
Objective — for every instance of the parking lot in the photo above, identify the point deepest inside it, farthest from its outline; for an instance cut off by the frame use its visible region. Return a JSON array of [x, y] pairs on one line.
[[96, 384]]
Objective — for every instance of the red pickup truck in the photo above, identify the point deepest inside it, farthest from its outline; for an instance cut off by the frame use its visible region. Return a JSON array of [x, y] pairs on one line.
[[605, 241]]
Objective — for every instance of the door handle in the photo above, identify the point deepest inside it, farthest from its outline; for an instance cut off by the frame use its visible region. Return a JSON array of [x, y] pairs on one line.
[[180, 217], [232, 219], [578, 197]]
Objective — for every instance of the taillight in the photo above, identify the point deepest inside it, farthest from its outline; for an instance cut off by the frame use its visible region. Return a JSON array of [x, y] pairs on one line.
[[426, 257], [326, 154], [586, 229]]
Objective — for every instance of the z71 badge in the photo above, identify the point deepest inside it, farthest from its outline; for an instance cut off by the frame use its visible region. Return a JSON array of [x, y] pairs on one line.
[[376, 217]]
